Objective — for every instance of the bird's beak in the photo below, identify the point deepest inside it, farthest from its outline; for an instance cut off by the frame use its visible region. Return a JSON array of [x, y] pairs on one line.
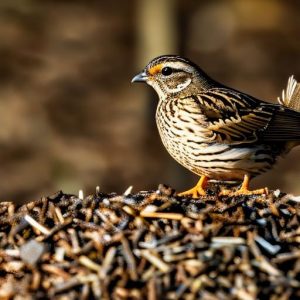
[[141, 77]]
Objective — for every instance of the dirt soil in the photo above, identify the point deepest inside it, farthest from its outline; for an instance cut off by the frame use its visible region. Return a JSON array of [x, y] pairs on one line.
[[151, 245]]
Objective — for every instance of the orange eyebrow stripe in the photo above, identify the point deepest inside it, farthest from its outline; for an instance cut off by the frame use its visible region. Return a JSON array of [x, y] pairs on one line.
[[155, 69]]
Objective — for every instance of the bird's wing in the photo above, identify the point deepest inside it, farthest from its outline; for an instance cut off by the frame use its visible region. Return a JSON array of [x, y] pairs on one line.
[[284, 126], [236, 118]]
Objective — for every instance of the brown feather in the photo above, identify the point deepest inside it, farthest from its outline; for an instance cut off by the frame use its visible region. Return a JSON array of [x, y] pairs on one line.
[[253, 120], [284, 126]]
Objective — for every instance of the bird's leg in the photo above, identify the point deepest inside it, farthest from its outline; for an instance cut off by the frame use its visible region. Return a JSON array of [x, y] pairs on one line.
[[198, 189], [244, 189]]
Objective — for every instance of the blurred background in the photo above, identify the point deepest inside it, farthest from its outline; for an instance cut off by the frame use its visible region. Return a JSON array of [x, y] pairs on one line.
[[69, 117]]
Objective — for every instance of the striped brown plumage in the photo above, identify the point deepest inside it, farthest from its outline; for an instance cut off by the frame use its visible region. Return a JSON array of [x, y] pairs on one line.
[[215, 131]]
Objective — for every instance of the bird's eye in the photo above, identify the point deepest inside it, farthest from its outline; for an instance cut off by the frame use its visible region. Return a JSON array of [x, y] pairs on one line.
[[166, 71]]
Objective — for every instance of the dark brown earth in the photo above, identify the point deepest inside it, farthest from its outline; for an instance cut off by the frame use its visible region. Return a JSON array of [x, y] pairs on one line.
[[151, 245]]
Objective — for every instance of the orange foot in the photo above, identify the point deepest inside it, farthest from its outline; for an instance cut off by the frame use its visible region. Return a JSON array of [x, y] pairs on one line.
[[244, 190], [198, 189]]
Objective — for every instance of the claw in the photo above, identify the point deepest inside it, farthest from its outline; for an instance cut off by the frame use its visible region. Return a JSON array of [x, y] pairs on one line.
[[198, 189], [244, 190]]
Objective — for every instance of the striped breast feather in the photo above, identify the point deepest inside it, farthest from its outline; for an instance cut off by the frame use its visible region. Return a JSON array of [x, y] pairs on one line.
[[234, 117]]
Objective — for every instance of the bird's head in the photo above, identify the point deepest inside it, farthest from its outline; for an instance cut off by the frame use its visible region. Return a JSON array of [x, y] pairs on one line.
[[171, 74]]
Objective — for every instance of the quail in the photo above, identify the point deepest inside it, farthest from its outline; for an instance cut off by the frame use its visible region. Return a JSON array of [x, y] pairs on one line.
[[218, 132]]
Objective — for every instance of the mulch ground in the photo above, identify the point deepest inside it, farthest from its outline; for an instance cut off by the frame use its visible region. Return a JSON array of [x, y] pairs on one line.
[[151, 245]]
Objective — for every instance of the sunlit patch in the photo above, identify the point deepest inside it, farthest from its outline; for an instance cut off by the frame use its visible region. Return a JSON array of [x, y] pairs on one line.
[[155, 69]]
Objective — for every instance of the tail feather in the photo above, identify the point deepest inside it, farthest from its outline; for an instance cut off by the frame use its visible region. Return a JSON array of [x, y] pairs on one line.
[[291, 96]]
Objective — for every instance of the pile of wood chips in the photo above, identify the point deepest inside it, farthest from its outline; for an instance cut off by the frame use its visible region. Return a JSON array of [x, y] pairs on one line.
[[151, 245]]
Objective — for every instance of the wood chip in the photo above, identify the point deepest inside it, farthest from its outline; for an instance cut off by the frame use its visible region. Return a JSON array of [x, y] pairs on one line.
[[151, 245]]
